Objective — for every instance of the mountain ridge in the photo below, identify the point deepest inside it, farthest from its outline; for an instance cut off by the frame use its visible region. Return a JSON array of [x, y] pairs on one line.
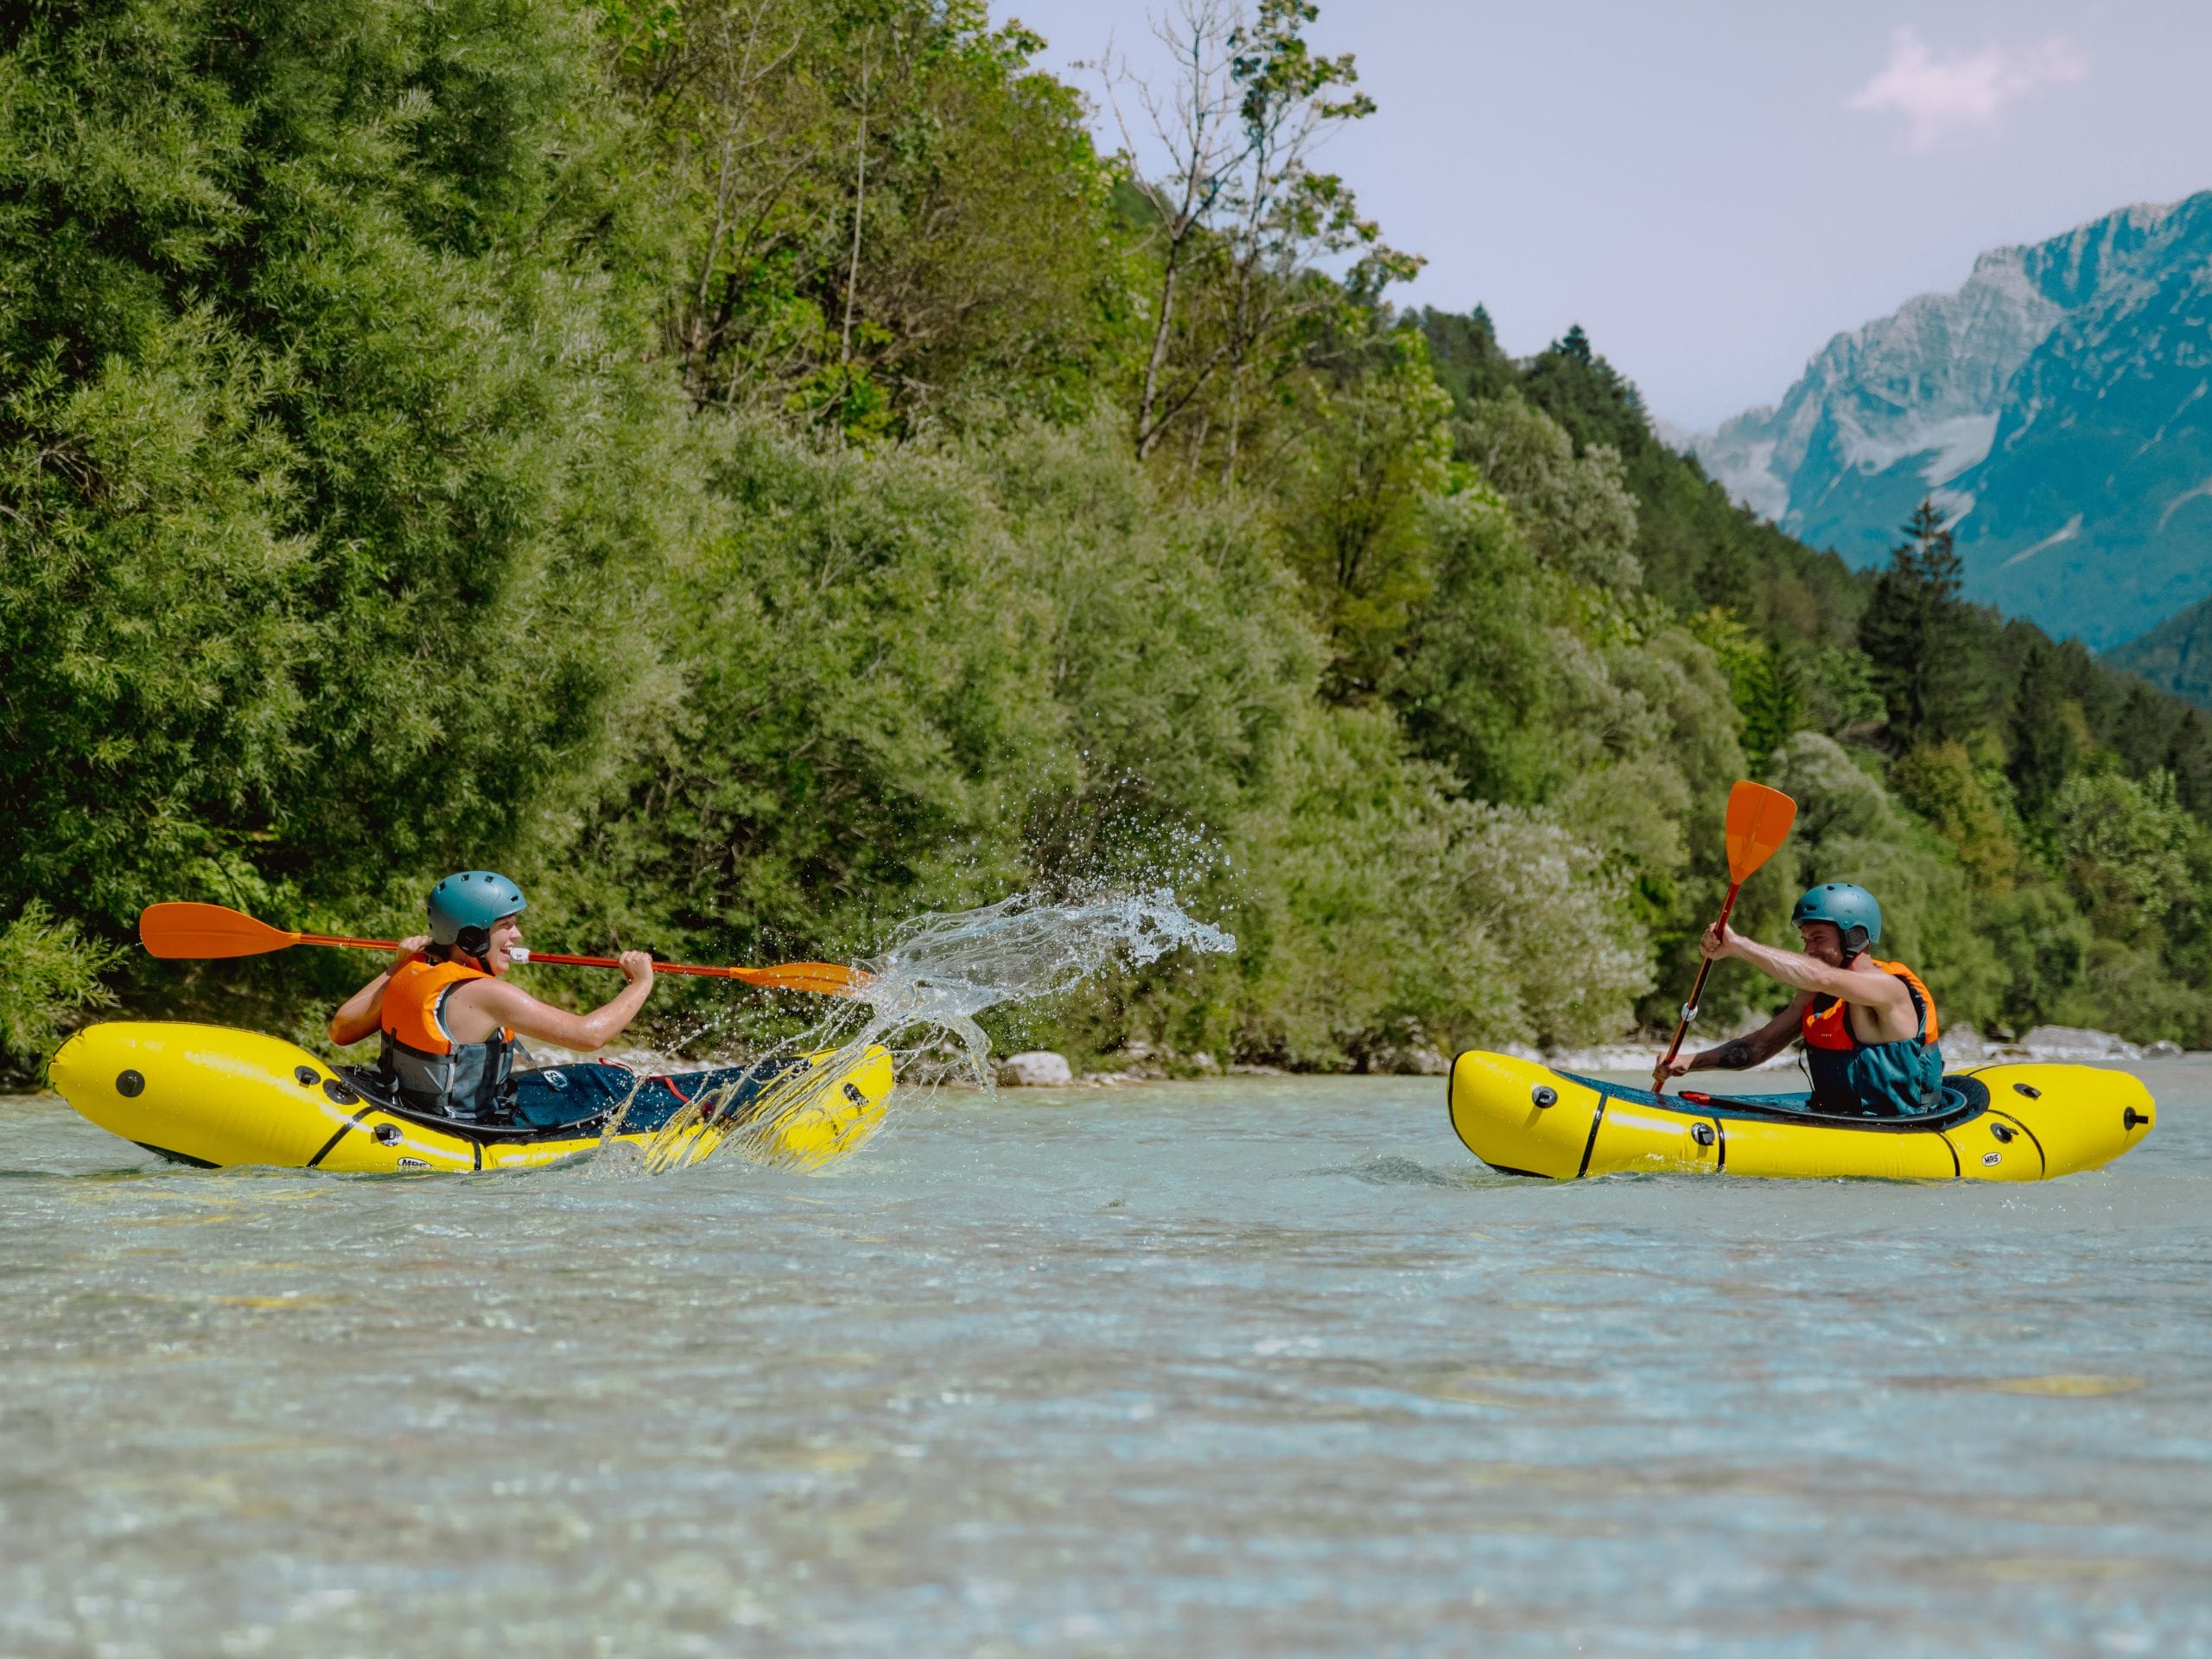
[[2054, 406]]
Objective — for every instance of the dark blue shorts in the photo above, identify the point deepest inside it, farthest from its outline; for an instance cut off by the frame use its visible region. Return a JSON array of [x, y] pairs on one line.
[[553, 1097]]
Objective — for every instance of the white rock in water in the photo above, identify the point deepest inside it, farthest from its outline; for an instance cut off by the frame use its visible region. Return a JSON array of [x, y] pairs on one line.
[[2072, 1043], [1962, 1045], [1039, 1068]]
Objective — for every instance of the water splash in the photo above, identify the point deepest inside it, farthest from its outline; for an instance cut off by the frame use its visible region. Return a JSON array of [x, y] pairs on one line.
[[932, 978], [938, 972]]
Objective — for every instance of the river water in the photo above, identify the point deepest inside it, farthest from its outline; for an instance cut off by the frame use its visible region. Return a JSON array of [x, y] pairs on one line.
[[1260, 1367]]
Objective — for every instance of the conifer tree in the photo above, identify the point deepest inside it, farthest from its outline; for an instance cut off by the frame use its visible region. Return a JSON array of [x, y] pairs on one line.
[[2189, 760], [1915, 631], [1465, 354], [1771, 700], [2041, 735]]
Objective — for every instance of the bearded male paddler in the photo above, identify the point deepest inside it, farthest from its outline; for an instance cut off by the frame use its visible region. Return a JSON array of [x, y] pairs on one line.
[[1869, 1027]]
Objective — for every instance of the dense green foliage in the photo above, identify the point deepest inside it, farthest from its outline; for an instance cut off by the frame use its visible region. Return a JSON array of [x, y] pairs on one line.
[[48, 972], [755, 470]]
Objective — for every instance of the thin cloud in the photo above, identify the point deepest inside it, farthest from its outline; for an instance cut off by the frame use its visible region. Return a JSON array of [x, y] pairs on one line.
[[1937, 95]]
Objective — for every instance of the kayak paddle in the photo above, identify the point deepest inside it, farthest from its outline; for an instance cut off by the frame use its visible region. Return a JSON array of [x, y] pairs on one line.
[[1759, 822], [207, 933]]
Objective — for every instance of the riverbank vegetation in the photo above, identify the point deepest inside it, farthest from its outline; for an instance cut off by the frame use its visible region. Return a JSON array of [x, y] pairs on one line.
[[755, 470]]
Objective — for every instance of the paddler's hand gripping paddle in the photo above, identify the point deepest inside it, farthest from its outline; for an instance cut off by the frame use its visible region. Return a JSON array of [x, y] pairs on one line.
[[207, 932], [1759, 822]]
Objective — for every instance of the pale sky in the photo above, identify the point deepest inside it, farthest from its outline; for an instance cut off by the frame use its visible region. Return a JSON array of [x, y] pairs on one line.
[[1714, 188]]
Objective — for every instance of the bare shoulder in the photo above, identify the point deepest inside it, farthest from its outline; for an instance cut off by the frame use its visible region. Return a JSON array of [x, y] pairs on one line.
[[1871, 988], [494, 996]]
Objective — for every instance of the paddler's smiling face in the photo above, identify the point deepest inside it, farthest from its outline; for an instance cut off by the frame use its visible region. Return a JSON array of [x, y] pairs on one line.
[[1823, 942], [506, 933]]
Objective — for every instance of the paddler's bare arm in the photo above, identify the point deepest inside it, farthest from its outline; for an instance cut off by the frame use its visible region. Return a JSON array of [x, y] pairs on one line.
[[1753, 1048], [482, 1005], [359, 1014], [1869, 987]]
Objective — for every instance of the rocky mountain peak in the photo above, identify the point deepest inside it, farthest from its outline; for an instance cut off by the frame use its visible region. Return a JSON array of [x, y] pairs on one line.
[[2000, 399]]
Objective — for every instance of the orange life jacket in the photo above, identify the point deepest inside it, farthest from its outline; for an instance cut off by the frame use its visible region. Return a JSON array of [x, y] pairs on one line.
[[1826, 1019], [432, 1073], [1850, 1075]]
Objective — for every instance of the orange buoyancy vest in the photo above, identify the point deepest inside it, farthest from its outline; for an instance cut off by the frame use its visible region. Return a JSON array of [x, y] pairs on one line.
[[1896, 1079], [432, 1073]]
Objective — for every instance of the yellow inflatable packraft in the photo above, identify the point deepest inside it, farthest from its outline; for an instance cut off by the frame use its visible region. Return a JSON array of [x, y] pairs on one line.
[[210, 1096], [2023, 1123]]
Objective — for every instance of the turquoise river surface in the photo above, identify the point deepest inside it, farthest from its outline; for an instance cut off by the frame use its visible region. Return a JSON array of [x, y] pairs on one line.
[[1269, 1366]]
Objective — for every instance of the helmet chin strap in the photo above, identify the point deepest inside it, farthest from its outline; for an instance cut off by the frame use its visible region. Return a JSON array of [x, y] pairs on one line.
[[479, 960]]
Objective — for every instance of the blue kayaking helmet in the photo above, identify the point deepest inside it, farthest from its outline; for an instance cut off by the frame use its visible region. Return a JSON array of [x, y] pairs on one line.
[[1851, 909], [463, 907]]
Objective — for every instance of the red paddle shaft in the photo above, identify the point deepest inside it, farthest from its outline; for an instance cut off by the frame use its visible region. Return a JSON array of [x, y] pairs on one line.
[[1697, 990]]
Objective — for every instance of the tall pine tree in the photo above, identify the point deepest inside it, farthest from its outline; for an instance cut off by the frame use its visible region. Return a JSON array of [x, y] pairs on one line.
[[2042, 735], [1916, 633]]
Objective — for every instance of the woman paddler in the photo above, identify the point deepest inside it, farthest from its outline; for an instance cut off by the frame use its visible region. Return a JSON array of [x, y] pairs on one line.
[[449, 1017], [1869, 1027]]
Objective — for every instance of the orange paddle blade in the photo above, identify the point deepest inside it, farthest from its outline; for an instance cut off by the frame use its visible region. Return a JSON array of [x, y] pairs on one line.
[[206, 932], [1759, 822], [825, 978]]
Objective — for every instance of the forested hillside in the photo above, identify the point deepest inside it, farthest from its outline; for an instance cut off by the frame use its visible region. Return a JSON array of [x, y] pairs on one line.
[[756, 471], [2173, 656]]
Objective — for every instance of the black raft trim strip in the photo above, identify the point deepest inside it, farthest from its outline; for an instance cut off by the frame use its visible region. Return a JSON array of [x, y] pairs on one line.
[[1591, 1145], [2043, 1158], [344, 1128]]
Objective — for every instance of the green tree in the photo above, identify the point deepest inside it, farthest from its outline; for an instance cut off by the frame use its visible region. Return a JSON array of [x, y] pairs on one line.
[[1938, 781], [2190, 761], [1240, 219], [49, 974], [1469, 362], [330, 469], [880, 211], [2128, 849], [1477, 682], [1764, 683], [1577, 509], [1914, 633], [1772, 704], [2044, 731], [2043, 942], [1372, 453]]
